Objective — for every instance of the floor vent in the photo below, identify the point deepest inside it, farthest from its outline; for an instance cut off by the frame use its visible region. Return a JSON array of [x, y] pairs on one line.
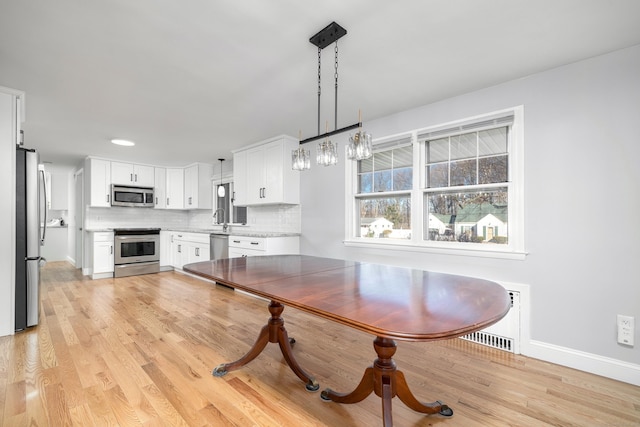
[[504, 335]]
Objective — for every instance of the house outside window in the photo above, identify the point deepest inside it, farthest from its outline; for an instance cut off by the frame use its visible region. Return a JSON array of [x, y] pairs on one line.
[[453, 187]]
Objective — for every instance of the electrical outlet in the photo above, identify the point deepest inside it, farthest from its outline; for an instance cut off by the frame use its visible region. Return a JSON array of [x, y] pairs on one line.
[[626, 329]]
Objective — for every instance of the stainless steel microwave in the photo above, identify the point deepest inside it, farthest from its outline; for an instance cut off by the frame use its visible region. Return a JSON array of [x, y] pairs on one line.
[[137, 197]]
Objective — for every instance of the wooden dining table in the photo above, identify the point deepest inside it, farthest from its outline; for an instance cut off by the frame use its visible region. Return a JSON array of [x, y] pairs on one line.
[[391, 303]]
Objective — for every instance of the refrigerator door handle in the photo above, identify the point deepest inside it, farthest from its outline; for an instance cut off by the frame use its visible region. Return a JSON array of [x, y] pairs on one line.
[[44, 190]]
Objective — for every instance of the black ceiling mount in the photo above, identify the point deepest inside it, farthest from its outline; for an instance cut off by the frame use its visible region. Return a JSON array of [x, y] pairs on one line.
[[327, 35]]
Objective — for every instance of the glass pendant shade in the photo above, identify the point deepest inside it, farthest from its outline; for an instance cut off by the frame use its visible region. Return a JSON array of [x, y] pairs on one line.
[[300, 159], [327, 154], [221, 191], [360, 146]]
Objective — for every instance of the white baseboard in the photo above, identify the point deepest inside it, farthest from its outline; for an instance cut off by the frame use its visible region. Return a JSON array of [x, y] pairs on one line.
[[588, 362]]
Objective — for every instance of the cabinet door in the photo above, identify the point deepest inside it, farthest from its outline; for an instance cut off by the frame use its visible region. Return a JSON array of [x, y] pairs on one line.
[[165, 248], [273, 173], [255, 175], [121, 173], [197, 252], [240, 178], [175, 188], [144, 176], [160, 188], [191, 187], [179, 254], [102, 257], [99, 182]]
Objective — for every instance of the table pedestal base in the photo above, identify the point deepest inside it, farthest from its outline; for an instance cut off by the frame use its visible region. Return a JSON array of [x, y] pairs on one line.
[[273, 332], [387, 382]]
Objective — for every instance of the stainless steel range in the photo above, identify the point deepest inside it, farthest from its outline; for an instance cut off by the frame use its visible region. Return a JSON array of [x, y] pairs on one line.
[[137, 251]]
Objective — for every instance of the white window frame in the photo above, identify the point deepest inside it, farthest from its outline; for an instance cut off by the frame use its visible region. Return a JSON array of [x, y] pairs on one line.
[[514, 249]]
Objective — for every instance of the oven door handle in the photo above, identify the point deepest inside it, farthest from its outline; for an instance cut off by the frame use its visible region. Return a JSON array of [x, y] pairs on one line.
[[147, 238]]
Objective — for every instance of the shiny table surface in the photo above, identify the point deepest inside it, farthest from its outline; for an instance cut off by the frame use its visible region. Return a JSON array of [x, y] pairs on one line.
[[389, 302]]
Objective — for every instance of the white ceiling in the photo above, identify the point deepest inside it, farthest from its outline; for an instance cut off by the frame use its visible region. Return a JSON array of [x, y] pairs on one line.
[[191, 80]]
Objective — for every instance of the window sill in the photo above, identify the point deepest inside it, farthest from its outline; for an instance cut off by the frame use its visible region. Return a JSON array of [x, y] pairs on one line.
[[458, 250]]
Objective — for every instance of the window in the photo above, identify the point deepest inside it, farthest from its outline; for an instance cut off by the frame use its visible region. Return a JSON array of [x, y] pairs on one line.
[[384, 194], [232, 214], [453, 187], [466, 195]]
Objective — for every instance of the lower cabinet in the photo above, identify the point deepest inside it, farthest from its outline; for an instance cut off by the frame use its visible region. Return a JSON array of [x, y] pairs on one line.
[[102, 254], [166, 250], [187, 248], [243, 246]]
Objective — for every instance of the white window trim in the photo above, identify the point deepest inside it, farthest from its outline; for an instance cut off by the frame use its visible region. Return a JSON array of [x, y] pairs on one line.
[[515, 250]]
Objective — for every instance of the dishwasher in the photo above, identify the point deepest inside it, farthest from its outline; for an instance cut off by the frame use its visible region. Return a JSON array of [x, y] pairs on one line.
[[218, 246], [219, 249]]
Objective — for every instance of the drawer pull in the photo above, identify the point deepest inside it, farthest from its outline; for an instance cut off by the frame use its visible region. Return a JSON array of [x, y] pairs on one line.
[[255, 243], [236, 241]]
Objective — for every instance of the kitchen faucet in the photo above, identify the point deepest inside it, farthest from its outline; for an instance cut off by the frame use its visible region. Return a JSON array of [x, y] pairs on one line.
[[224, 219]]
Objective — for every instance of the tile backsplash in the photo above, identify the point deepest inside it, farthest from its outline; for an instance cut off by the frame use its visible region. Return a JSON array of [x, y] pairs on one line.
[[275, 218]]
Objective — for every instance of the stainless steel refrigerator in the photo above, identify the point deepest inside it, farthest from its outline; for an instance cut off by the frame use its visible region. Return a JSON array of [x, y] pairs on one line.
[[30, 233]]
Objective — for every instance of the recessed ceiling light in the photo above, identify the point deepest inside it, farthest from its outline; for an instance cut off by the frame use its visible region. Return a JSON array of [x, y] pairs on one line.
[[123, 142]]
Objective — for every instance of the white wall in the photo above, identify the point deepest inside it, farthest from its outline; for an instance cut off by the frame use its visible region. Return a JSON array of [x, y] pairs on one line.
[[582, 165], [7, 214]]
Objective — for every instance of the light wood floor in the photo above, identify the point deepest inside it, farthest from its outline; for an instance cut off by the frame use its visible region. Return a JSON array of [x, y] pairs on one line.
[[139, 351]]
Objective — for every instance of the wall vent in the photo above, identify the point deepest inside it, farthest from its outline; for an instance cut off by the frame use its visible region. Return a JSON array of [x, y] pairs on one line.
[[504, 335]]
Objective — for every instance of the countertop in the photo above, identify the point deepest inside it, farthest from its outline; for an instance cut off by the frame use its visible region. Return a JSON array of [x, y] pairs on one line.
[[242, 233]]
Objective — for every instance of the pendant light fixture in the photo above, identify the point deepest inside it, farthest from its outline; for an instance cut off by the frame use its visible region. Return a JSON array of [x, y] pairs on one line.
[[221, 190], [300, 158], [359, 147], [327, 151]]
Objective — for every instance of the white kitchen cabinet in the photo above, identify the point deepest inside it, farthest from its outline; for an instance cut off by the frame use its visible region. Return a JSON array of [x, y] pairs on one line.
[[102, 256], [197, 186], [175, 188], [240, 178], [98, 174], [243, 246], [160, 188], [166, 258], [189, 248], [132, 174], [268, 177]]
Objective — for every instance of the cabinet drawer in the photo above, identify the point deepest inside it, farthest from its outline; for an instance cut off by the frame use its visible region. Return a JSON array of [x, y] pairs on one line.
[[253, 243], [192, 237], [103, 236], [238, 252]]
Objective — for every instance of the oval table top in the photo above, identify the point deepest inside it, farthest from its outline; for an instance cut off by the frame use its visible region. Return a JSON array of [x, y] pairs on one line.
[[387, 301]]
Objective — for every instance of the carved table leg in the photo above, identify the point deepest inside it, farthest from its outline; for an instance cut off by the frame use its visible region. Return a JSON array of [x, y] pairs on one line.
[[273, 332], [387, 382]]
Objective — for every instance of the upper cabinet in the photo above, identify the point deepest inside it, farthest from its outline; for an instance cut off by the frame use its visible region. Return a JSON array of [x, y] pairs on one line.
[[98, 173], [175, 188], [160, 189], [263, 174], [132, 174], [197, 186], [239, 195]]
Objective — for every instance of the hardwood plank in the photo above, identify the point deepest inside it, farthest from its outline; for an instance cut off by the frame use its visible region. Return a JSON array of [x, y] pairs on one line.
[[139, 351]]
